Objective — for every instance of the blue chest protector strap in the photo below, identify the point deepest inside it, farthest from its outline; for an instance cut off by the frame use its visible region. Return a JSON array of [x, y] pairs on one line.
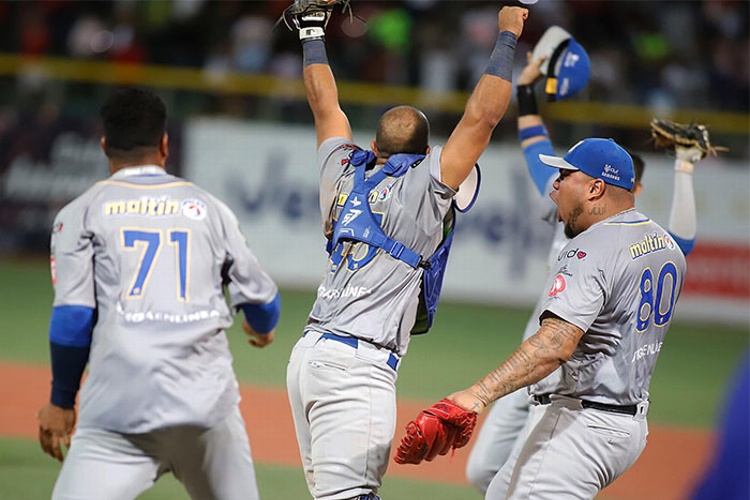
[[358, 223]]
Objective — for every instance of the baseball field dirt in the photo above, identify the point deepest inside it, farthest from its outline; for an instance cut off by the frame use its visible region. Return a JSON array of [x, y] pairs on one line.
[[684, 452]]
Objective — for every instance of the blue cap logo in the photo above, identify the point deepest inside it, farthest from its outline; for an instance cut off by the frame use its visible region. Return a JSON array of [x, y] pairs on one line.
[[599, 158]]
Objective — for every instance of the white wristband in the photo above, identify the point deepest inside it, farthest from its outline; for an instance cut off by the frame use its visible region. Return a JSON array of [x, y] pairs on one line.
[[314, 32], [683, 166]]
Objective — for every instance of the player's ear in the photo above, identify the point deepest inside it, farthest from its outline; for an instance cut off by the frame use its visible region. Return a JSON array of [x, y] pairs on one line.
[[597, 189], [427, 150], [374, 147], [103, 144], [164, 145]]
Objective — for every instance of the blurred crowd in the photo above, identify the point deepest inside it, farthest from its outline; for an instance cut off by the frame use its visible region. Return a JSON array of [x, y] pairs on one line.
[[663, 54]]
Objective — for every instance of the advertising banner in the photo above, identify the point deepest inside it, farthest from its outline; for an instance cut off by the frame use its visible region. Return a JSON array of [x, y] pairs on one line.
[[268, 174]]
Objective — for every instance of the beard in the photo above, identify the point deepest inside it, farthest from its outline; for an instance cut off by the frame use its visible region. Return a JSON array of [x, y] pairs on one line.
[[571, 228]]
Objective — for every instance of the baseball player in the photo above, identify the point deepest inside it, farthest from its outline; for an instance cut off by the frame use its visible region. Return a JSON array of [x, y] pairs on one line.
[[139, 266], [342, 373], [508, 415], [606, 309]]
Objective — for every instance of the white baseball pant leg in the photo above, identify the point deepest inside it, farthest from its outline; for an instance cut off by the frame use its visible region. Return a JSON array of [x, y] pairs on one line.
[[343, 402], [212, 463]]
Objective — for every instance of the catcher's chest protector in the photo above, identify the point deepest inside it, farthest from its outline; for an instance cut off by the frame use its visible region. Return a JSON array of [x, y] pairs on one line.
[[358, 223]]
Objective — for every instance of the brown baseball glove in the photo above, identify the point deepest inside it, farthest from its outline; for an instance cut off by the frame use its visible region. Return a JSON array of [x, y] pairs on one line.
[[672, 135]]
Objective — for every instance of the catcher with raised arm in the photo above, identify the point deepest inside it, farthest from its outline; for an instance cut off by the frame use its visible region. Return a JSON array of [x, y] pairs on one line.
[[388, 214]]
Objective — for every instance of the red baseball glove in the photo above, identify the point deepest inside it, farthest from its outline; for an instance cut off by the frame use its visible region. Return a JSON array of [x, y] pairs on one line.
[[436, 430]]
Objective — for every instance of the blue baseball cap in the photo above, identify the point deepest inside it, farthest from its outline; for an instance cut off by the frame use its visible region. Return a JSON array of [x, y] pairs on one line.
[[567, 66], [599, 158]]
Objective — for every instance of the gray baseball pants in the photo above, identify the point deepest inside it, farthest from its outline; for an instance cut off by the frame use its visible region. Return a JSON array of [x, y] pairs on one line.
[[570, 452]]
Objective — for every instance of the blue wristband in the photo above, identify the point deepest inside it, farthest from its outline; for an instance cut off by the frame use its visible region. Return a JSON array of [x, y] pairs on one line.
[[533, 131], [263, 317], [314, 52], [501, 60]]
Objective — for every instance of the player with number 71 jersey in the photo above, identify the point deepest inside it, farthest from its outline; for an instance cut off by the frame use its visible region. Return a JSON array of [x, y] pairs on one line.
[[163, 248], [624, 320]]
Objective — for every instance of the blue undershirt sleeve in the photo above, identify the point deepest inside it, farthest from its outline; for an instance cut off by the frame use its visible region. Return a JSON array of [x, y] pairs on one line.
[[539, 172], [263, 317], [685, 245], [70, 332]]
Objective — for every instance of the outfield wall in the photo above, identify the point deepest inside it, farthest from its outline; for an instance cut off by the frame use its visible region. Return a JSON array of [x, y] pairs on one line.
[[268, 175]]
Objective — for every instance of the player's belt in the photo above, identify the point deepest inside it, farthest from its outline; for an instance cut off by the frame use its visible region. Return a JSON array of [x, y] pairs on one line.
[[631, 410], [354, 342]]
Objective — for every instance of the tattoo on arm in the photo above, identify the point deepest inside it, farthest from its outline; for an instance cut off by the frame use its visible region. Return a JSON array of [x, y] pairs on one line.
[[536, 358]]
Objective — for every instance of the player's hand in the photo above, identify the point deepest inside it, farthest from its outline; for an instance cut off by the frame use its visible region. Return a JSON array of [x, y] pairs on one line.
[[468, 400], [512, 19], [532, 71], [257, 339], [55, 429]]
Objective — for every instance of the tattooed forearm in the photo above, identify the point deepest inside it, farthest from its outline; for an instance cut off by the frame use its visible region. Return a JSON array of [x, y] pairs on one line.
[[536, 358]]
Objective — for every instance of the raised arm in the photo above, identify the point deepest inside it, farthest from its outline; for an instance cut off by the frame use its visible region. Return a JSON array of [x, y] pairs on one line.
[[532, 134], [320, 85], [682, 218], [691, 143], [487, 103]]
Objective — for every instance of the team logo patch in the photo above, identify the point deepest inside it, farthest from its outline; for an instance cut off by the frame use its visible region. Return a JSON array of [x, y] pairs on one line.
[[53, 269], [57, 228], [581, 254], [386, 192], [558, 285], [670, 242], [194, 209]]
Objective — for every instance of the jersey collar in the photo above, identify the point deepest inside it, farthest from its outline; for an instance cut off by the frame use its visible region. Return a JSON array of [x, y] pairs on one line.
[[141, 170]]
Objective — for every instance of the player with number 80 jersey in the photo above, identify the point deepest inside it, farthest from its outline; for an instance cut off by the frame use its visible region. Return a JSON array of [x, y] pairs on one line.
[[581, 286]]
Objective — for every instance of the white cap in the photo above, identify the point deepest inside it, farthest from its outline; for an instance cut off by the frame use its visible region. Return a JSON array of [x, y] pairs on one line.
[[546, 45]]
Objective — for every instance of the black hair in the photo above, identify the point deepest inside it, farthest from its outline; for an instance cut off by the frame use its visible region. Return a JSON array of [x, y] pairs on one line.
[[403, 129], [135, 121], [638, 165]]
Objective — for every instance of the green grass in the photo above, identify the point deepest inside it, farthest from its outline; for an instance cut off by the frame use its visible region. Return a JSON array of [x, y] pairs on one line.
[[466, 342], [28, 474]]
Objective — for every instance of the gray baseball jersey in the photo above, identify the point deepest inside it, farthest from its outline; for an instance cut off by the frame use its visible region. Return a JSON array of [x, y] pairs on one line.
[[379, 305], [150, 251], [618, 281]]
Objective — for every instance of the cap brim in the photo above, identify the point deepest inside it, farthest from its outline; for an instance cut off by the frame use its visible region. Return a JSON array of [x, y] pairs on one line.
[[468, 190], [546, 45], [556, 162]]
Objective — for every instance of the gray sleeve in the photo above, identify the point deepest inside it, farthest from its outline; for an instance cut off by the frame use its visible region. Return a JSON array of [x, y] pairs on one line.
[[577, 289], [247, 282], [332, 154], [439, 188], [72, 257]]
